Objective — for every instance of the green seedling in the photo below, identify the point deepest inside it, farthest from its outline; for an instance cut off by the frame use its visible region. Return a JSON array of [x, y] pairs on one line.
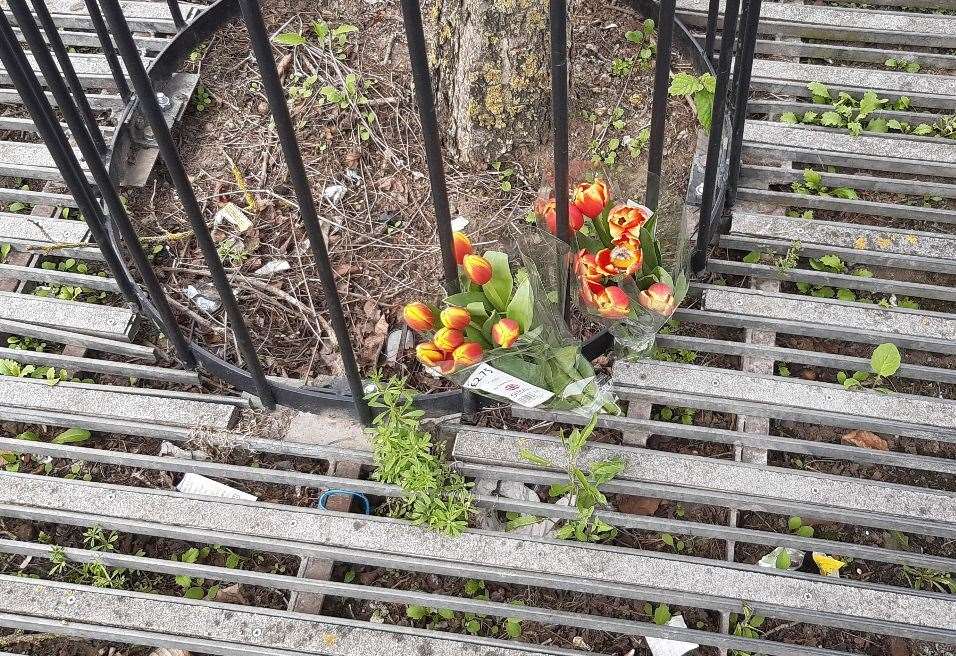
[[884, 362]]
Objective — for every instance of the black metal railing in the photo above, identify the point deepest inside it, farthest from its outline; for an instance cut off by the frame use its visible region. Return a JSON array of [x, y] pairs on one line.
[[117, 238]]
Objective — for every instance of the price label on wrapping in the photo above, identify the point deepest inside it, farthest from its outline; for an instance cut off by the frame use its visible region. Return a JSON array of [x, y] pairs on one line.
[[494, 381]]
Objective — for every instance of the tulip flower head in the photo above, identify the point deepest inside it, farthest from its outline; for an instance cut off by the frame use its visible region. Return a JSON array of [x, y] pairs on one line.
[[505, 332], [610, 302], [455, 317], [462, 246], [477, 268], [429, 354], [468, 354], [592, 197], [586, 267], [549, 212], [622, 258], [448, 339], [658, 298], [418, 316], [625, 221]]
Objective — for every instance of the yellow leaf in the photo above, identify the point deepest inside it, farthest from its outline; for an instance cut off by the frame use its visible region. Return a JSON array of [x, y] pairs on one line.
[[828, 566]]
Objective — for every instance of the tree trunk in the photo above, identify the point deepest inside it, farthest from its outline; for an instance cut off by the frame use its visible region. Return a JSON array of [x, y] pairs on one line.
[[491, 65]]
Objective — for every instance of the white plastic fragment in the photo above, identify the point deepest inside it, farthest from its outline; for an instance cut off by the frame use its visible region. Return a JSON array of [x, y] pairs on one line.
[[196, 484], [206, 299], [664, 647], [459, 223], [230, 213], [168, 449], [275, 266]]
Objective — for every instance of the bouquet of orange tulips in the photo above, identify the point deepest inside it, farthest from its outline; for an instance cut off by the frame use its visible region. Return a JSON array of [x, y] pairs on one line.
[[502, 337], [621, 275]]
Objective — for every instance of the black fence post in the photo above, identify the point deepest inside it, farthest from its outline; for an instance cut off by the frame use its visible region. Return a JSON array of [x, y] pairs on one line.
[[177, 13], [275, 94], [751, 21], [425, 99], [713, 11], [662, 69], [715, 144], [117, 212], [559, 113], [146, 96], [109, 49], [69, 74]]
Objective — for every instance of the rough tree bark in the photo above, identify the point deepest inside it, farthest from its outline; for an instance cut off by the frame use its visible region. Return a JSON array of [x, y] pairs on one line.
[[491, 65]]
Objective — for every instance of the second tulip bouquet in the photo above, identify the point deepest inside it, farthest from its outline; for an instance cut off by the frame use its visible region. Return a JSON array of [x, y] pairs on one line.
[[621, 275], [498, 337]]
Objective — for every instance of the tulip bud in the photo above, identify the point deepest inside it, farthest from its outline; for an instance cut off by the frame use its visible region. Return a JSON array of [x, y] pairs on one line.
[[418, 316], [468, 354], [477, 268], [429, 354], [614, 303], [550, 214], [658, 298], [592, 197], [505, 332], [455, 317], [448, 339], [462, 246]]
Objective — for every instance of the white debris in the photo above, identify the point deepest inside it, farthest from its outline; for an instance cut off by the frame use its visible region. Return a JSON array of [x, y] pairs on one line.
[[196, 484], [459, 223], [275, 266], [394, 345], [230, 213], [334, 193], [207, 299], [664, 647], [770, 560], [170, 450]]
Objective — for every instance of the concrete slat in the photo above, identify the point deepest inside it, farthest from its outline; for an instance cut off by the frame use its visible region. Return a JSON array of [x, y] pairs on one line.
[[84, 318]]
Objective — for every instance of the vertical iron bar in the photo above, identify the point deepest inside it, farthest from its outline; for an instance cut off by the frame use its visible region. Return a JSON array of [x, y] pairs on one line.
[[559, 112], [28, 86], [117, 213], [425, 99], [177, 173], [746, 56], [109, 49], [707, 209], [662, 69], [275, 94], [713, 11], [177, 14], [69, 73]]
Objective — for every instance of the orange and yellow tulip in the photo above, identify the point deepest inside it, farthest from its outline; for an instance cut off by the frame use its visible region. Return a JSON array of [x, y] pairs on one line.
[[448, 339], [455, 317], [592, 197], [429, 354], [477, 268], [462, 246], [658, 298], [624, 258], [586, 267], [625, 221], [549, 211], [505, 332], [609, 302], [468, 354], [418, 316]]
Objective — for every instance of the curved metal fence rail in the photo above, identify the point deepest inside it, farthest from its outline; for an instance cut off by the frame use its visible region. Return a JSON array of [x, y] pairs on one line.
[[117, 237]]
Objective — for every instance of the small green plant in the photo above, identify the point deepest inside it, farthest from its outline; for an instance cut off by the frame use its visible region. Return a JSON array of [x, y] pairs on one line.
[[675, 414], [901, 64], [920, 578], [622, 67], [884, 362], [676, 544], [812, 185], [22, 343], [435, 495], [336, 38], [660, 614], [684, 356], [796, 526], [473, 623], [195, 588], [647, 48], [505, 175], [746, 625], [4, 252], [95, 574], [783, 369], [202, 100], [583, 486], [790, 260], [701, 92], [232, 252], [70, 292]]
